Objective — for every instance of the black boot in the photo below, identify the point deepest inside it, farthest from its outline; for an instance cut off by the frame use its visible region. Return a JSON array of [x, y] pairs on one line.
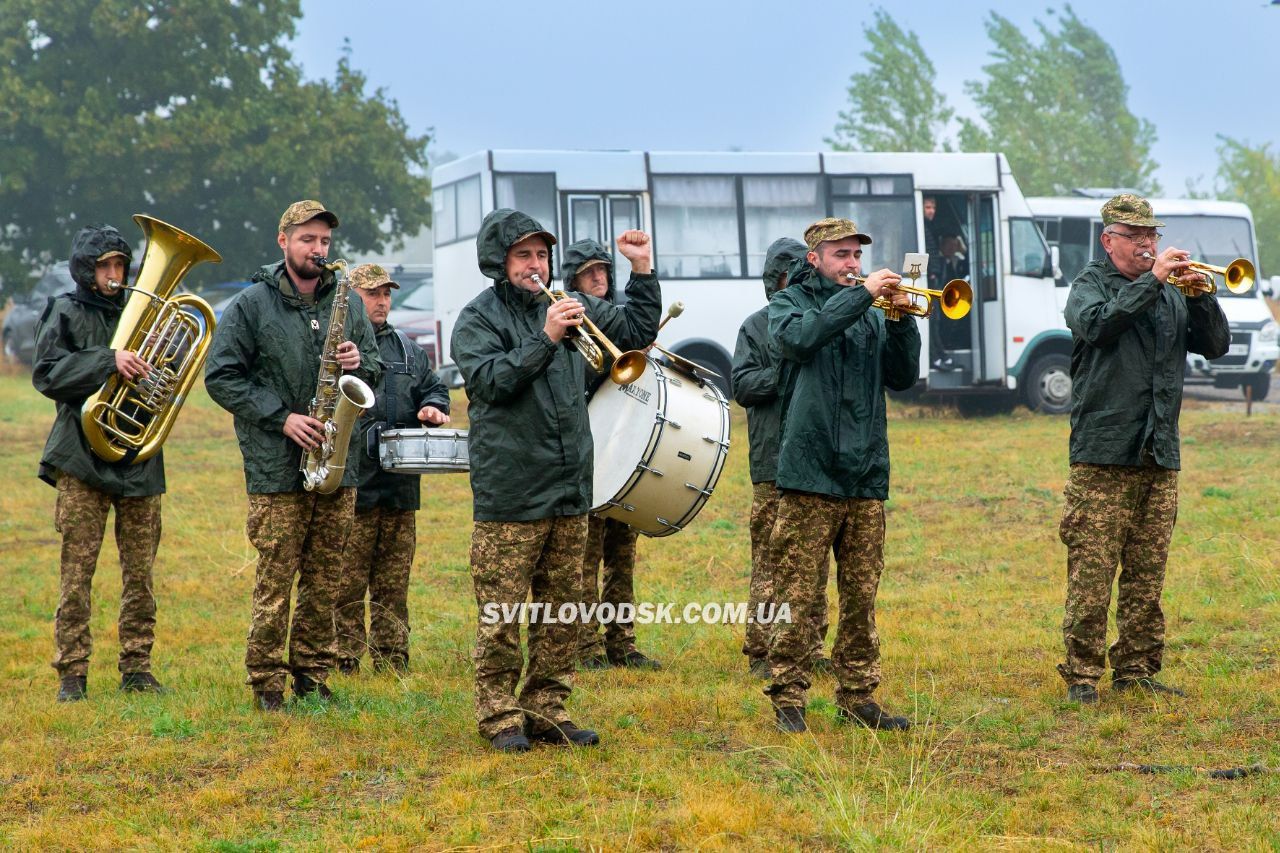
[[349, 666], [73, 688], [595, 662], [872, 716], [566, 732], [790, 719], [141, 682], [510, 740], [634, 659], [1146, 683], [268, 700], [1085, 694], [304, 686]]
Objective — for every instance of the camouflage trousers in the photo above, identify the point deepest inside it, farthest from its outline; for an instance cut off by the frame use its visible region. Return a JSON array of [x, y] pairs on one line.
[[614, 544], [510, 561], [302, 535], [764, 512], [1116, 514], [81, 517], [807, 526], [378, 559]]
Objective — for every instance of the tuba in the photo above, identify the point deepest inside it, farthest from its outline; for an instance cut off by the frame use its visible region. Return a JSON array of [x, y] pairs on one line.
[[339, 400], [127, 420]]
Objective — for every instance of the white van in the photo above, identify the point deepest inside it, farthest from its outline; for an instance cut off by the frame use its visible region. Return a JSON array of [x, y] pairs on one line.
[[1214, 232]]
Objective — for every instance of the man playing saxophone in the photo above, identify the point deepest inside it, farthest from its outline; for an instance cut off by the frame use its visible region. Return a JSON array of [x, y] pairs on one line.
[[73, 360], [263, 368]]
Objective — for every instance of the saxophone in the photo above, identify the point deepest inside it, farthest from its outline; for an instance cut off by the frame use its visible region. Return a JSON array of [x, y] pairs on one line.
[[338, 400]]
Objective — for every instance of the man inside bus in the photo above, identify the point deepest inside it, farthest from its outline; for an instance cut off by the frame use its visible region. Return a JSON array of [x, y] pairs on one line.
[[940, 359], [1131, 334]]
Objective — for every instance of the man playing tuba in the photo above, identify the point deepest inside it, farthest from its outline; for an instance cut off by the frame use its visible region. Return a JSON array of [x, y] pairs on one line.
[[262, 367], [73, 360]]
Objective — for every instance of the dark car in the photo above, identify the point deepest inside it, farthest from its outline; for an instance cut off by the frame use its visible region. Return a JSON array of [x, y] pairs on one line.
[[20, 323]]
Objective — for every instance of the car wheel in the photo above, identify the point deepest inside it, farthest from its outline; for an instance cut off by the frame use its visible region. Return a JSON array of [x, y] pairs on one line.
[[1048, 385]]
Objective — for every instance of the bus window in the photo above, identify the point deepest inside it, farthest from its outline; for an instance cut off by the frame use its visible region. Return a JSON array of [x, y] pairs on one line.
[[1075, 248], [1030, 254], [1216, 240], [533, 193], [776, 207], [456, 210], [883, 207], [696, 227]]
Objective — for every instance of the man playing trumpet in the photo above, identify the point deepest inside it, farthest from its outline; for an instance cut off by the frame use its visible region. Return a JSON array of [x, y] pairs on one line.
[[1131, 335], [833, 465]]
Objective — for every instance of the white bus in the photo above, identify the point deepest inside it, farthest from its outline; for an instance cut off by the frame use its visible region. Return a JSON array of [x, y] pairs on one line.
[[1215, 232], [712, 215]]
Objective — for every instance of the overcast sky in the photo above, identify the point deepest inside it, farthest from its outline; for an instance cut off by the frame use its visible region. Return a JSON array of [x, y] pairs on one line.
[[766, 76]]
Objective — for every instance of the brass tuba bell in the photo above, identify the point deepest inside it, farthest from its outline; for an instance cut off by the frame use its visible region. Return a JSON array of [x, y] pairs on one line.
[[128, 420]]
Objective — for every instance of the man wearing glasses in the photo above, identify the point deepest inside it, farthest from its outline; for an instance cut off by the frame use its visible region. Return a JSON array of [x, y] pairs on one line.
[[1131, 333]]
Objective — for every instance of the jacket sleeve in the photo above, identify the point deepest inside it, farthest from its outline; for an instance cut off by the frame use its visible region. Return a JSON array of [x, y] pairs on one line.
[[1097, 316], [61, 372], [428, 390], [492, 372], [634, 325], [901, 357], [800, 334], [226, 374], [1208, 333], [361, 330], [755, 367]]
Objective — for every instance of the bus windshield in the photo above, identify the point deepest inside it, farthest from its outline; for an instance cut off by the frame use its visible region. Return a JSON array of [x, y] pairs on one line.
[[1214, 240]]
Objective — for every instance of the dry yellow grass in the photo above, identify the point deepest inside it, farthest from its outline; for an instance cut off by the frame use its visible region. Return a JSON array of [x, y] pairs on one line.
[[969, 614]]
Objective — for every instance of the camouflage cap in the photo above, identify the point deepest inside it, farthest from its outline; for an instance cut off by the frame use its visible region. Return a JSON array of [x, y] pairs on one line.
[[370, 276], [1130, 209], [832, 228], [305, 211]]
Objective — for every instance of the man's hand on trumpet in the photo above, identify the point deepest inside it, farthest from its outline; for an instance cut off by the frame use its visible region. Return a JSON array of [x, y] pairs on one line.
[[562, 315], [1172, 261], [880, 282]]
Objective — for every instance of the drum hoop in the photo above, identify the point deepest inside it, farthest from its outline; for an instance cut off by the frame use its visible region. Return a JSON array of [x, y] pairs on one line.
[[655, 438]]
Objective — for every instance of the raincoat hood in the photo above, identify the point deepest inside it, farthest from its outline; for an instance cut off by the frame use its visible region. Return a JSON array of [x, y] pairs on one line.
[[576, 255], [89, 244], [782, 253], [501, 230]]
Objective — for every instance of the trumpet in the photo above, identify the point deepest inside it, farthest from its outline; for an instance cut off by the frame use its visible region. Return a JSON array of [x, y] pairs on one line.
[[627, 366], [956, 297], [1237, 275]]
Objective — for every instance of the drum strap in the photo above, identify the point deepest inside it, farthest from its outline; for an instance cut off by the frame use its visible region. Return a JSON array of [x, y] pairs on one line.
[[405, 366]]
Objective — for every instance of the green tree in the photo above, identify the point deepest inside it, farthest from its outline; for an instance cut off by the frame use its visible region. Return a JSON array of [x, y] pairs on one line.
[[195, 113], [1252, 175], [893, 105], [1059, 110]]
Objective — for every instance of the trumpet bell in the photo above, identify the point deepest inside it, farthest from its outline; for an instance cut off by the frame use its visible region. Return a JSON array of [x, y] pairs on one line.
[[1239, 275], [956, 299]]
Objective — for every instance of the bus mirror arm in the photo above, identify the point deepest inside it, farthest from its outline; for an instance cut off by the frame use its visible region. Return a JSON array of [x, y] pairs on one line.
[[1055, 267]]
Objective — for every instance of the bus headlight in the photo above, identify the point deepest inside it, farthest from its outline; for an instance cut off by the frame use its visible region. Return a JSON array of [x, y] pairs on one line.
[[1268, 333]]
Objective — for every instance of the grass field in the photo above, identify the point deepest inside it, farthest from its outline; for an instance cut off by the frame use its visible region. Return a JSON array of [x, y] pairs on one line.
[[969, 615]]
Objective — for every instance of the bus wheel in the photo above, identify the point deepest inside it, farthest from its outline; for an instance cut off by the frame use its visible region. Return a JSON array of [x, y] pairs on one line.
[[1261, 383], [1048, 384]]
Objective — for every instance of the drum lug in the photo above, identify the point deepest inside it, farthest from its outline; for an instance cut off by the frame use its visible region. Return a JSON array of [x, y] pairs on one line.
[[706, 492], [654, 471], [666, 420], [620, 505], [666, 523], [713, 440]]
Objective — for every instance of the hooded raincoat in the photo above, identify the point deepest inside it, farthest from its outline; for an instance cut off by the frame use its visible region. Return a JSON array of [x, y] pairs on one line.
[[757, 368], [840, 356], [263, 366], [530, 440], [73, 360], [1130, 344]]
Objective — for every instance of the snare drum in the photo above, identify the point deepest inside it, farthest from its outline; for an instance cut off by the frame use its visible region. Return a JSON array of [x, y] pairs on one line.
[[423, 451], [660, 444]]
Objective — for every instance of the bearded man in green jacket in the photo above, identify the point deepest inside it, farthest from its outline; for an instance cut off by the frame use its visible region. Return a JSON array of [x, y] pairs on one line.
[[73, 360], [263, 366], [531, 467], [833, 465], [1131, 333]]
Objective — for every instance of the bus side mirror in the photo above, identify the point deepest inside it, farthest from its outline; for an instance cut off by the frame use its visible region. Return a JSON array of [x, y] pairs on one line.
[[1054, 268], [1271, 287]]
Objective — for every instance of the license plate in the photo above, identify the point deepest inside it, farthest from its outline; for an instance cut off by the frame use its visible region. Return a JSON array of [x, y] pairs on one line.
[[1238, 349]]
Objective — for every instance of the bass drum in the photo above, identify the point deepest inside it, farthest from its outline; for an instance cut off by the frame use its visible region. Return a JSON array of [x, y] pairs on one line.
[[660, 444], [424, 451]]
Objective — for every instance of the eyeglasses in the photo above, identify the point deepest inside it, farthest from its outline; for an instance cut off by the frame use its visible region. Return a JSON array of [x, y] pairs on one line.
[[1139, 239]]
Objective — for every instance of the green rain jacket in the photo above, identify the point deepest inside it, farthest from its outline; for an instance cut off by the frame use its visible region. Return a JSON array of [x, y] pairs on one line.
[[530, 440], [757, 368], [408, 383], [1130, 343], [575, 255], [840, 356], [73, 360], [263, 366]]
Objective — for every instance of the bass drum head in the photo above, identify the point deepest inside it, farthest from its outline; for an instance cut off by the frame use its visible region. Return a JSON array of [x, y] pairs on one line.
[[624, 419]]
